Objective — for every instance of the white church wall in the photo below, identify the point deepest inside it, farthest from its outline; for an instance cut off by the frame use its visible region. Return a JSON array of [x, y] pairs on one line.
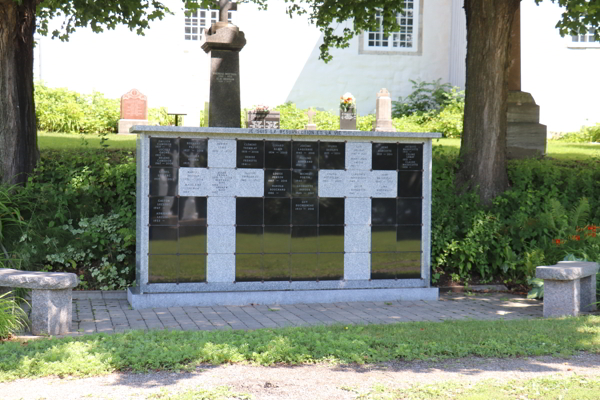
[[563, 81]]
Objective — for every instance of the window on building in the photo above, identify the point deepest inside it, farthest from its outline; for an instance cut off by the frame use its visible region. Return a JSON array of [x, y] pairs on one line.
[[404, 40], [197, 21], [586, 40]]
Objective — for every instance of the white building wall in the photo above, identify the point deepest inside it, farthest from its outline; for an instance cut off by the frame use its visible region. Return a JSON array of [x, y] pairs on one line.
[[564, 82], [279, 63], [458, 45]]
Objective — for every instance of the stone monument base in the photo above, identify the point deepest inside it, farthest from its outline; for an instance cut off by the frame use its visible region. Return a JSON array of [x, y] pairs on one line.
[[125, 124], [208, 299], [525, 136]]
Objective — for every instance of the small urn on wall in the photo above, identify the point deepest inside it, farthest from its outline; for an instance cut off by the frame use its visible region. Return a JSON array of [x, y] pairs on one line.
[[347, 112]]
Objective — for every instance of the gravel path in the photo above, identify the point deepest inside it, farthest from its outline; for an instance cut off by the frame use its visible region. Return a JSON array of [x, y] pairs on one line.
[[300, 382]]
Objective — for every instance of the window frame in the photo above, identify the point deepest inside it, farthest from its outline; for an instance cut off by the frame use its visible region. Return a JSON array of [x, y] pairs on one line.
[[211, 16], [586, 44]]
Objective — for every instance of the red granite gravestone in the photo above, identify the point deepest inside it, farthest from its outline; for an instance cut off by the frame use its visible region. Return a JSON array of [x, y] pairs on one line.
[[134, 110]]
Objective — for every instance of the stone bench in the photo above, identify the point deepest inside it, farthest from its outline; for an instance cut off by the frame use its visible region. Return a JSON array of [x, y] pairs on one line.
[[51, 298], [569, 287]]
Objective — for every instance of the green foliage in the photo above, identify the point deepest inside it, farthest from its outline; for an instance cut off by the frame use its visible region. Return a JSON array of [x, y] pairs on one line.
[[12, 317], [62, 110], [140, 351], [426, 97], [585, 134], [537, 288]]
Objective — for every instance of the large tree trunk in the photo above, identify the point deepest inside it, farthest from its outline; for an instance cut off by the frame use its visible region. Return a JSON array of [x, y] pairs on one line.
[[483, 146], [18, 136]]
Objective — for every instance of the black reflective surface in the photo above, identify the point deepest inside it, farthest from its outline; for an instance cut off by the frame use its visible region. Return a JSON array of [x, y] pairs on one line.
[[248, 267], [410, 184], [193, 153], [163, 211], [164, 152], [277, 239], [396, 265], [305, 155], [330, 266], [305, 239], [331, 211], [304, 267], [278, 211], [278, 183], [192, 210], [249, 211], [331, 239], [278, 155], [249, 239], [410, 156], [192, 239], [332, 155], [409, 211], [383, 211], [163, 181], [305, 211], [385, 156], [276, 267], [383, 238], [163, 268], [250, 153], [162, 240], [304, 183], [192, 268], [408, 238]]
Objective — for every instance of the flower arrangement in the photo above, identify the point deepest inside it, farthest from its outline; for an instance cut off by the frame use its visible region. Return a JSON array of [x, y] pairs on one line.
[[261, 109], [347, 102]]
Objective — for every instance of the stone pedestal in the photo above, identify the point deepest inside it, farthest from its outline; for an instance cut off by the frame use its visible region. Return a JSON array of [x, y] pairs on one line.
[[383, 114], [51, 311], [224, 42], [348, 120], [525, 136], [263, 120], [126, 124]]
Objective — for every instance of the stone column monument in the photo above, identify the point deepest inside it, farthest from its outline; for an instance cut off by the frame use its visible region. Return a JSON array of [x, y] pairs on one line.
[[224, 41], [383, 113]]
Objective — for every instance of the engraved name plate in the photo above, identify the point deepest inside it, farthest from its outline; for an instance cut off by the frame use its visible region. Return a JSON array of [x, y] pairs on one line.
[[304, 183], [386, 183], [305, 155], [357, 183], [194, 182], [358, 155], [250, 153], [410, 156], [163, 152], [278, 183], [250, 183], [194, 153], [223, 182], [332, 183]]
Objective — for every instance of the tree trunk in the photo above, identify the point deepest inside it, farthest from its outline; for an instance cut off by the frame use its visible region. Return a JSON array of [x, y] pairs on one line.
[[483, 145], [18, 136]]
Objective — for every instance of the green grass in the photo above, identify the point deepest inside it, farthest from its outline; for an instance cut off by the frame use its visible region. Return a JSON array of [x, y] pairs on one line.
[[140, 351], [572, 388]]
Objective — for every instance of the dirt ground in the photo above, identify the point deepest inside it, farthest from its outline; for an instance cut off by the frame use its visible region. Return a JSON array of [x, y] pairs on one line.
[[299, 382]]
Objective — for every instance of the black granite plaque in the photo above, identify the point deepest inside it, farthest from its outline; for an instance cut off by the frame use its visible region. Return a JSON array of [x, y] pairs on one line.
[[304, 183], [192, 240], [194, 153], [410, 156], [331, 266], [332, 155], [384, 156], [383, 238], [305, 155], [383, 211], [163, 268], [304, 267], [250, 153], [409, 265], [276, 267], [384, 265], [163, 211], [163, 181], [305, 211], [249, 239], [278, 183], [410, 184], [277, 211], [331, 211], [409, 211], [305, 239], [162, 240], [192, 210], [408, 238], [164, 152], [249, 211], [192, 268], [278, 155], [331, 239], [249, 267], [277, 239]]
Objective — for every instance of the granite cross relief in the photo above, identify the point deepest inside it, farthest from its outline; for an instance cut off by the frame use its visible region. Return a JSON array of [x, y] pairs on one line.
[[224, 7]]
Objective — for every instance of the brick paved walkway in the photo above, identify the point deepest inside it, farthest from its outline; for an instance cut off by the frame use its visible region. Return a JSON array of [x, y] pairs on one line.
[[92, 313]]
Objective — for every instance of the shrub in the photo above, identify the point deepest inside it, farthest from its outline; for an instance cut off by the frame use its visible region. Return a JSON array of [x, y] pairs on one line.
[[12, 317], [585, 134], [426, 97]]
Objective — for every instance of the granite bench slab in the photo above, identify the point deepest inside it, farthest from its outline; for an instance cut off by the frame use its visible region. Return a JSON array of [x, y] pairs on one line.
[[569, 287], [51, 298]]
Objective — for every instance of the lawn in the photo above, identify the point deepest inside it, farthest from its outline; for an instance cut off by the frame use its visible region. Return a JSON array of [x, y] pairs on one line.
[[556, 149]]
